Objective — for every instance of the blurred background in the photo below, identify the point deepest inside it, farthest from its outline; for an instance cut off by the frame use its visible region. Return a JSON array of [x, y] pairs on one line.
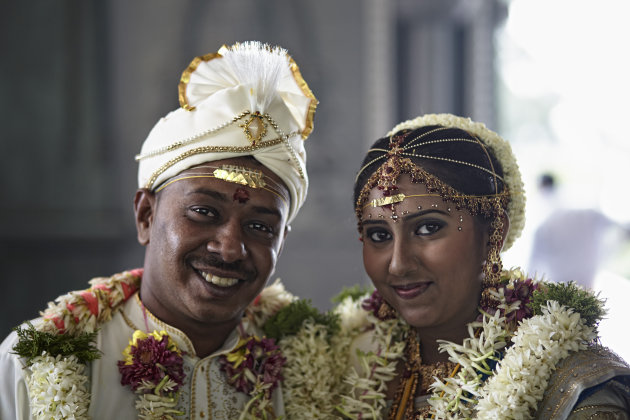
[[83, 81]]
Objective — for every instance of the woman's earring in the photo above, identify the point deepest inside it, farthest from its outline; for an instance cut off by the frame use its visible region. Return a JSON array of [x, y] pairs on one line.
[[385, 311], [493, 266]]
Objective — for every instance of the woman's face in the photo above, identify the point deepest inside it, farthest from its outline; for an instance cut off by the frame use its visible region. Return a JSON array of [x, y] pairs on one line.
[[426, 258]]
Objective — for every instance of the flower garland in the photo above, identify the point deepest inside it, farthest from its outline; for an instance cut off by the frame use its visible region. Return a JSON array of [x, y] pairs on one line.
[[57, 382], [254, 367], [57, 387], [524, 372], [59, 347], [505, 363], [364, 396], [309, 342], [315, 370], [154, 369]]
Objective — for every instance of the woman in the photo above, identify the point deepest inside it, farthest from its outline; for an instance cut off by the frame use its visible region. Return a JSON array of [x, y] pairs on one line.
[[448, 333]]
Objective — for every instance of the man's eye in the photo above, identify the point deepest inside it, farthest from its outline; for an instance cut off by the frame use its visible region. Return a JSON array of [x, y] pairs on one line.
[[428, 228], [378, 235], [261, 227], [204, 211]]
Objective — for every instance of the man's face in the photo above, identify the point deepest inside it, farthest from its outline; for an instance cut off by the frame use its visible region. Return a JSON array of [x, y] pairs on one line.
[[211, 245]]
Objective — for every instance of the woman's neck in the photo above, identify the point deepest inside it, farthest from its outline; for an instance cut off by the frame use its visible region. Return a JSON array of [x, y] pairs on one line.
[[429, 346]]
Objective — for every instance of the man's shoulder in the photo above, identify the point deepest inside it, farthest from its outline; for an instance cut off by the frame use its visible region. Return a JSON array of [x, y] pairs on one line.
[[6, 348], [7, 351]]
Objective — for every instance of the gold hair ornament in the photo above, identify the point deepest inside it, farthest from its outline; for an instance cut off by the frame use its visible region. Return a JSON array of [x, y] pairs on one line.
[[398, 162], [502, 152]]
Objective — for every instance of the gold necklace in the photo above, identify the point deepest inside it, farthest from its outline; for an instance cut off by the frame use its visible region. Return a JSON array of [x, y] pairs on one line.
[[415, 373]]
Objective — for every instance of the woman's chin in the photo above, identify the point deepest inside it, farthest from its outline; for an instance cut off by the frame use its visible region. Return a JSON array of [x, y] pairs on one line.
[[418, 318]]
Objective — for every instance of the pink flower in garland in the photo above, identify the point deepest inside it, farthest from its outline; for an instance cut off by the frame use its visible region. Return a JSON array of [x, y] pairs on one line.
[[255, 363], [149, 358], [521, 290], [374, 304]]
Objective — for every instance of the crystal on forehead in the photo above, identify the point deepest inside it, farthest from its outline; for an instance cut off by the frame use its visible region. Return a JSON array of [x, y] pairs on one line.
[[240, 175]]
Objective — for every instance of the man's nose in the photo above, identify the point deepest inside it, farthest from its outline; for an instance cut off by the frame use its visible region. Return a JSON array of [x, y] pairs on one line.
[[228, 242]]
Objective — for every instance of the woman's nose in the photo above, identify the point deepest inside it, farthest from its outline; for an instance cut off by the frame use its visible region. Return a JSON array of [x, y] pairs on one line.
[[402, 261], [228, 242]]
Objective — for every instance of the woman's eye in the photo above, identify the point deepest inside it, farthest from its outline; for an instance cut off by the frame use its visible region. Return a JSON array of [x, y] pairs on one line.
[[428, 228], [378, 235]]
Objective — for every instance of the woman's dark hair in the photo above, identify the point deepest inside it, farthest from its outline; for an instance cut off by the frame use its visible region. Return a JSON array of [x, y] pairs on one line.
[[464, 178]]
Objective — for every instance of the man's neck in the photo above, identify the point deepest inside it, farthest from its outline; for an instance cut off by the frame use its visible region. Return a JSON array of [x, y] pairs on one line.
[[205, 337], [209, 339]]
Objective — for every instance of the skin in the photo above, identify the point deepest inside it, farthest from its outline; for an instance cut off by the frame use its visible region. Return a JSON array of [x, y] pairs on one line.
[[195, 226], [424, 266]]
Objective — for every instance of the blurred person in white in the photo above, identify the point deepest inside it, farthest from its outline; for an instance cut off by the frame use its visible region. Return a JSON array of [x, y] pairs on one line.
[[571, 243], [219, 181]]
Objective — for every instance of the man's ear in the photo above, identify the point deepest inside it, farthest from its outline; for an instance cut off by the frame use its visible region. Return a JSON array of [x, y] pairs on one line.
[[144, 208], [287, 229]]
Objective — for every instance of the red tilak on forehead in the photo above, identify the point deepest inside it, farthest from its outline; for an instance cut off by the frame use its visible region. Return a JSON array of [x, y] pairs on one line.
[[242, 195]]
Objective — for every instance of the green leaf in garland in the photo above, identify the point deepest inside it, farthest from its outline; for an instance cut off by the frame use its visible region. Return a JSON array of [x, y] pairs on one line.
[[355, 292], [586, 303], [288, 320], [33, 343]]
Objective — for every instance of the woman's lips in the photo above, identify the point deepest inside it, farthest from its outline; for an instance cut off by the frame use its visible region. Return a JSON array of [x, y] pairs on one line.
[[410, 291]]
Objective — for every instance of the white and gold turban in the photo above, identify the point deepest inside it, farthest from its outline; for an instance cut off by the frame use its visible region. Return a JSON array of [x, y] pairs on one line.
[[245, 100]]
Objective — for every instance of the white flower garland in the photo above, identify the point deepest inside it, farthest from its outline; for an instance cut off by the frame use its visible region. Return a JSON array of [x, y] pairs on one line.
[[457, 394], [57, 388], [363, 395], [314, 371], [523, 373], [503, 153], [516, 384], [58, 385]]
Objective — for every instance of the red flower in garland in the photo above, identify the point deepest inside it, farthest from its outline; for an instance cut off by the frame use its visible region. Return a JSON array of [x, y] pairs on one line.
[[149, 358], [518, 290], [523, 291], [377, 305], [255, 363]]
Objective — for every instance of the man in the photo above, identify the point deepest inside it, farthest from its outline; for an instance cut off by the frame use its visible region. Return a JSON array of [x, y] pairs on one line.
[[219, 179]]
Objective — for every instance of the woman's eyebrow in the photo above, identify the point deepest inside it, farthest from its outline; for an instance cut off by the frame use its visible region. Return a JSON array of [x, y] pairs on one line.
[[424, 213], [406, 216]]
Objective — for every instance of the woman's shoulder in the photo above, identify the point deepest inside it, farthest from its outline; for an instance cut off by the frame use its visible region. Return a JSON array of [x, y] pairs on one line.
[[590, 379]]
